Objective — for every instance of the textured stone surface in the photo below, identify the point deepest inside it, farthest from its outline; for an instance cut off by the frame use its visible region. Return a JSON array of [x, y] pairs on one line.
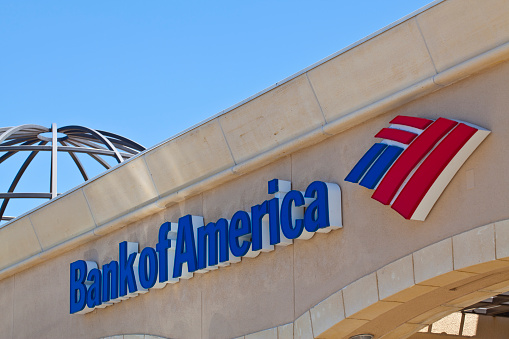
[[196, 154], [448, 278], [410, 293], [120, 191], [374, 310], [302, 327], [270, 333], [378, 67], [262, 284], [403, 331], [18, 241], [285, 331], [271, 119], [62, 219], [395, 277], [6, 301], [469, 299], [327, 313], [433, 260], [474, 247], [502, 239], [433, 315], [344, 328], [360, 294], [457, 30]]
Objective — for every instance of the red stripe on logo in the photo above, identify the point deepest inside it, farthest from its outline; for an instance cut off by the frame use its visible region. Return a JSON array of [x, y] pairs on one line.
[[419, 123], [402, 167], [398, 135], [419, 184]]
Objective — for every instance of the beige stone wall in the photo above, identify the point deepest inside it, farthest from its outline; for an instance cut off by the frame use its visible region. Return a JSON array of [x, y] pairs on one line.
[[280, 135], [401, 63], [277, 287]]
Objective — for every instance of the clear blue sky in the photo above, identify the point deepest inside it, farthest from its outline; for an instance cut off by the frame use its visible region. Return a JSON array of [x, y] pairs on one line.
[[148, 70]]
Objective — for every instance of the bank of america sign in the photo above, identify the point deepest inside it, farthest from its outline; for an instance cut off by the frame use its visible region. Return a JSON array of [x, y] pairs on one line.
[[415, 161]]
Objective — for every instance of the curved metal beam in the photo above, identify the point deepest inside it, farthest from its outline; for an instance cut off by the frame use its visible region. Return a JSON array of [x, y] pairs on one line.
[[90, 141], [65, 149], [94, 151], [13, 130], [78, 139], [18, 141], [133, 144], [126, 149], [18, 177], [95, 157], [77, 162], [118, 140], [86, 140], [10, 154], [98, 136]]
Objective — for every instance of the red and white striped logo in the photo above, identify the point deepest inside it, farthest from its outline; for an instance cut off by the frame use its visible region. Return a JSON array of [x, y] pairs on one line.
[[417, 158]]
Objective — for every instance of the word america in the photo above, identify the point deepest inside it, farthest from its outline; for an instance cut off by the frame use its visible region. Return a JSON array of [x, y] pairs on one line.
[[190, 246]]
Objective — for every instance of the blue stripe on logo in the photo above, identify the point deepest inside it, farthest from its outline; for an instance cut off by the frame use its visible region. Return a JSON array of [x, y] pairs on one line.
[[366, 161], [381, 165]]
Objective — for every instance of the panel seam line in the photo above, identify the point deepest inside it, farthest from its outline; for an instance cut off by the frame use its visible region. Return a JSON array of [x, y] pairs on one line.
[[427, 49], [226, 140], [316, 98]]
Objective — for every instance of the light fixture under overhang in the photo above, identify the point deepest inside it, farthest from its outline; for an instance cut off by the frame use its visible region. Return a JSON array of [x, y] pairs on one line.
[[362, 336]]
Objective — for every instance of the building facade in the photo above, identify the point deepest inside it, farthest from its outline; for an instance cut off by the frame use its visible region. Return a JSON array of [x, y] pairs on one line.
[[377, 272]]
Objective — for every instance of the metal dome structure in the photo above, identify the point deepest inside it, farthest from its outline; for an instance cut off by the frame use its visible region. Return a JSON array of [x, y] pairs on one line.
[[72, 140]]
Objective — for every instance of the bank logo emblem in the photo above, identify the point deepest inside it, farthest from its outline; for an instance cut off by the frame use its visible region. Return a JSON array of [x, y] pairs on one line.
[[417, 158]]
